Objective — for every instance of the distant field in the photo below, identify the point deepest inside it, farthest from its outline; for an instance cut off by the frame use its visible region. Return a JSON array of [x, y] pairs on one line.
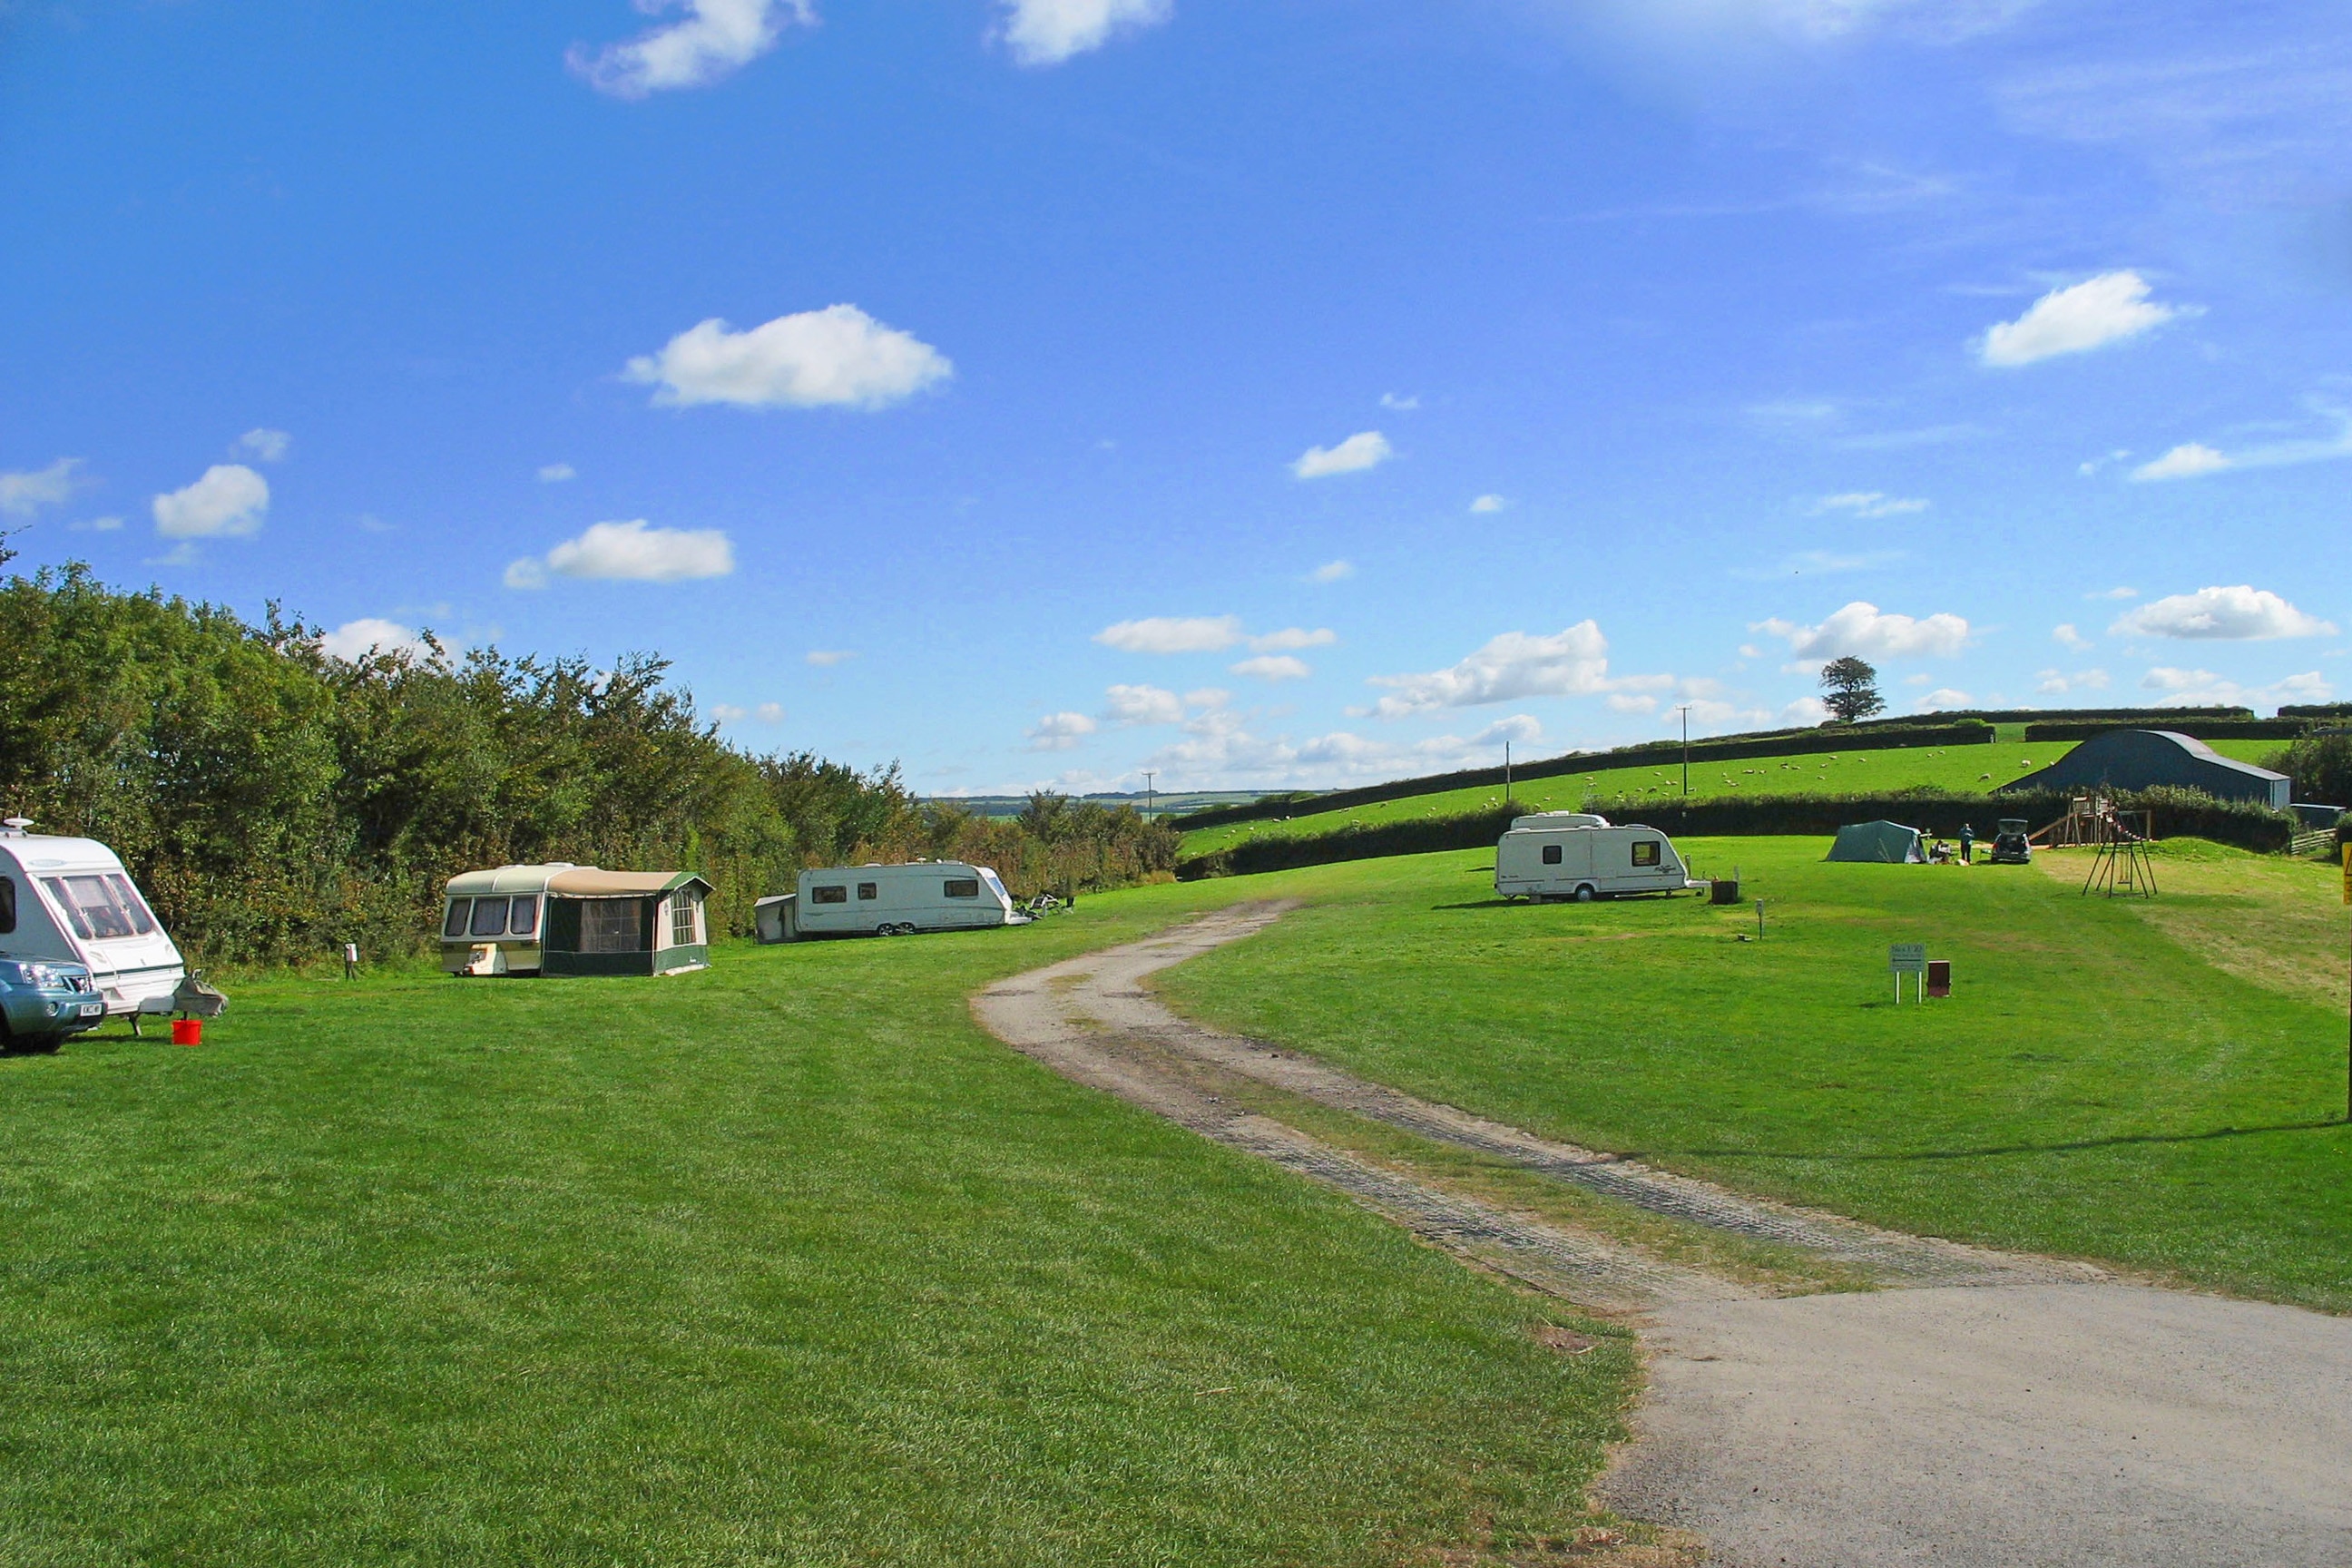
[[2156, 1085], [1620, 790], [784, 1263]]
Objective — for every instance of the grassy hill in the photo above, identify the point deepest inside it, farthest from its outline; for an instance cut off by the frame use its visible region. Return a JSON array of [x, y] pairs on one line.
[[1620, 790]]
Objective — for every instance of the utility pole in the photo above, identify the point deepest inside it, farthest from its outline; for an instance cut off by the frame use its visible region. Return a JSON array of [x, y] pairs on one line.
[[1147, 792], [1684, 709], [1506, 774]]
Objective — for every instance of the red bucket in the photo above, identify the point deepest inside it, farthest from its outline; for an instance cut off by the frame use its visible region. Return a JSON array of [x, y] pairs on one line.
[[187, 1031]]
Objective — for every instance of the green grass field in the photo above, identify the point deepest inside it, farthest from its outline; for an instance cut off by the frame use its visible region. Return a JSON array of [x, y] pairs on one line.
[[1963, 769], [2107, 1080], [784, 1263]]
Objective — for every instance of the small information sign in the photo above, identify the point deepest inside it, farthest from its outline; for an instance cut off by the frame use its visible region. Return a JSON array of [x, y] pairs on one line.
[[1908, 958], [2348, 873]]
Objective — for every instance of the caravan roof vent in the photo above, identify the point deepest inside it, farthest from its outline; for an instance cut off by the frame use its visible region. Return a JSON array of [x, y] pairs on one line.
[[15, 826]]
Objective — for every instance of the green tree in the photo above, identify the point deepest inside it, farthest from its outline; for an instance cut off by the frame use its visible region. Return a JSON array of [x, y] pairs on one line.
[[1850, 689], [2321, 767]]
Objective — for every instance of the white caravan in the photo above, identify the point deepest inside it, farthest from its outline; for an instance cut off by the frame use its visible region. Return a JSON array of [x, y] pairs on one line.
[[1577, 855], [70, 898], [887, 900]]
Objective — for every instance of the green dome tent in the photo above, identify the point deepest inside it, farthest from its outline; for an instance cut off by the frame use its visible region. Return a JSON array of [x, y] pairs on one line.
[[1890, 843]]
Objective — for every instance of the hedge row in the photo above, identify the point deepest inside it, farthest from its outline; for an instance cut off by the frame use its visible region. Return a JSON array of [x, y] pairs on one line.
[[2178, 813], [1770, 744], [2076, 715], [2200, 728]]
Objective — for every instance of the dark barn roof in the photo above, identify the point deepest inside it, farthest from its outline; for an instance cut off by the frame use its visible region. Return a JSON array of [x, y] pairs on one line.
[[2147, 759]]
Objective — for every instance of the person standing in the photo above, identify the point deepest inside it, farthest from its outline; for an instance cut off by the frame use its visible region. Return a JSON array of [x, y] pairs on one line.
[[1967, 843]]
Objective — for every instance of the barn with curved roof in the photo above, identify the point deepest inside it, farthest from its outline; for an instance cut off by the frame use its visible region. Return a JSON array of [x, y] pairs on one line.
[[2150, 759]]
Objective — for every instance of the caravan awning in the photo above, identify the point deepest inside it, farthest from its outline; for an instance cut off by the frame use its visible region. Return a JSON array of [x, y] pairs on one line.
[[589, 882]]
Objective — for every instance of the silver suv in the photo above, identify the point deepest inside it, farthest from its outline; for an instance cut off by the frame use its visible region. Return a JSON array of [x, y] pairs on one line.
[[44, 1000]]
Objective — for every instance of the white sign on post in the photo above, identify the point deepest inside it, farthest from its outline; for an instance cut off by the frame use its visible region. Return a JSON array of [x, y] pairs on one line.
[[1908, 958]]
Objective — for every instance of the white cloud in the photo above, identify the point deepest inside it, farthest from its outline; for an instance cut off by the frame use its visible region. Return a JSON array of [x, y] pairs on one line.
[[838, 357], [1207, 697], [630, 552], [1273, 667], [1862, 628], [1293, 637], [714, 39], [556, 473], [270, 446], [1331, 572], [1870, 503], [1047, 32], [764, 713], [1519, 729], [2114, 593], [2238, 613], [1364, 449], [230, 501], [1059, 732], [2192, 458], [1805, 710], [1628, 702], [2183, 462], [1145, 705], [2057, 683], [1489, 502], [1173, 633], [1943, 698], [181, 554], [2203, 688], [1403, 405], [96, 525], [1571, 663], [2065, 635], [23, 494], [2097, 311], [354, 640], [826, 658]]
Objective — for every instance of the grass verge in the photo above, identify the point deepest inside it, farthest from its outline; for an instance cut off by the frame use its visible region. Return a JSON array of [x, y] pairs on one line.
[[2101, 1084]]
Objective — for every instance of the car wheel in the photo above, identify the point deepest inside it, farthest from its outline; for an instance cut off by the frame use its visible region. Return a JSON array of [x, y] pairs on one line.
[[1584, 894]]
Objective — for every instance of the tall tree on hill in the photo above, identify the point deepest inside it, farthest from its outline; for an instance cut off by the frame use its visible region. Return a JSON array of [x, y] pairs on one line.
[[1850, 689]]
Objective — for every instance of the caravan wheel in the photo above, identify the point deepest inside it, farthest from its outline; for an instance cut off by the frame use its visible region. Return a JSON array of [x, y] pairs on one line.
[[1584, 894]]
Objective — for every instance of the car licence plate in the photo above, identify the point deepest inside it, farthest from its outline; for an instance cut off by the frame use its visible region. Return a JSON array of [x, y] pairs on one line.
[[92, 1009]]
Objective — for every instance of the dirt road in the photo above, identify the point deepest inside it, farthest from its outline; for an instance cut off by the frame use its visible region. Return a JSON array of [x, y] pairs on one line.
[[1980, 1408]]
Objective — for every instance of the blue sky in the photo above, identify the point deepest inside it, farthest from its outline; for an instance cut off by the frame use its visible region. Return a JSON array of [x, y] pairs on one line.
[[1294, 392]]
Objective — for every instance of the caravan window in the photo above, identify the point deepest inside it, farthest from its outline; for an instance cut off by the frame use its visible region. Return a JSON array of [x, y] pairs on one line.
[[92, 906], [489, 918], [525, 918], [1551, 854], [837, 894], [963, 886], [455, 925], [869, 890], [129, 897], [612, 925], [7, 905], [1646, 852], [681, 919]]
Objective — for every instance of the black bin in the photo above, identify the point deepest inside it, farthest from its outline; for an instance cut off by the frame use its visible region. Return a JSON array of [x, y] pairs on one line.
[[1722, 891]]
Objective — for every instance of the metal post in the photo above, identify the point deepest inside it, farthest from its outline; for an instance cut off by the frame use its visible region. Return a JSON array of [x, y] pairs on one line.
[[1147, 773], [1684, 709], [1507, 776], [1759, 937]]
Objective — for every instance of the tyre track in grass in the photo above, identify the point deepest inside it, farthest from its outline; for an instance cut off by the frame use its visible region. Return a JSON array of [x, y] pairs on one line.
[[1984, 1408]]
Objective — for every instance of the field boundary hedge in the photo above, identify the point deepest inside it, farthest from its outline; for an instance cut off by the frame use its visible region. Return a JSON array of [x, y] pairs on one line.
[[2179, 814], [1771, 744], [2197, 729]]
